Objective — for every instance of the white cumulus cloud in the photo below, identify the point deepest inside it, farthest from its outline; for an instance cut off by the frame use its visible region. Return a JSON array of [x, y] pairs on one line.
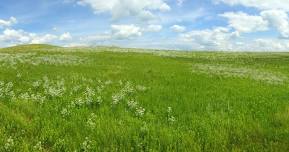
[[153, 28], [178, 28], [15, 36], [41, 39], [65, 36], [278, 19], [259, 4], [12, 36], [224, 39], [270, 45], [218, 38], [125, 31], [245, 23], [8, 23], [180, 2], [142, 9]]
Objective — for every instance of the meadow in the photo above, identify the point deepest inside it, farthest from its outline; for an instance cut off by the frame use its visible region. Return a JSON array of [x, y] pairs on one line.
[[117, 99]]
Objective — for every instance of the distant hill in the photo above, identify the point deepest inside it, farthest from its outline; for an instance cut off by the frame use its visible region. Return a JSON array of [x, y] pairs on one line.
[[29, 47]]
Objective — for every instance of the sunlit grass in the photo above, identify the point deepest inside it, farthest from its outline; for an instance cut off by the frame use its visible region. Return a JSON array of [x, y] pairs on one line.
[[115, 99]]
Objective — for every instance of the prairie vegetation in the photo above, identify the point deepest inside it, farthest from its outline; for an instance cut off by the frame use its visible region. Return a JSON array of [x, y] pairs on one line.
[[115, 99]]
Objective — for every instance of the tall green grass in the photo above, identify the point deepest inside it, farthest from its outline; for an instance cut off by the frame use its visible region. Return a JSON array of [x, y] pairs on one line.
[[113, 99]]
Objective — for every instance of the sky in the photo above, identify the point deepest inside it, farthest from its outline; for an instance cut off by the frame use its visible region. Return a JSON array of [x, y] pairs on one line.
[[211, 25]]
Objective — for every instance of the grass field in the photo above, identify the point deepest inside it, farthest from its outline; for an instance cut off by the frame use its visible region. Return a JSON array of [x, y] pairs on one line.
[[113, 99]]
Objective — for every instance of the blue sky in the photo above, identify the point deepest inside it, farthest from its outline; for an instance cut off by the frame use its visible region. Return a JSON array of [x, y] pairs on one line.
[[221, 25]]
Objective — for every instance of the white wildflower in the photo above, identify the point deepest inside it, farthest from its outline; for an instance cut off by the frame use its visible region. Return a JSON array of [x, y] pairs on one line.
[[65, 112], [79, 102], [99, 100], [86, 145], [140, 111], [169, 110], [108, 82], [128, 88], [117, 98], [36, 84], [91, 121], [18, 75], [9, 87], [72, 105], [170, 117], [9, 144], [132, 104], [38, 146], [76, 88], [141, 88], [24, 96], [88, 101], [89, 92]]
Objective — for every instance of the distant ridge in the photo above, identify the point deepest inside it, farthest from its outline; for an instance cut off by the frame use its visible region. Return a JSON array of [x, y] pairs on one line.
[[30, 47]]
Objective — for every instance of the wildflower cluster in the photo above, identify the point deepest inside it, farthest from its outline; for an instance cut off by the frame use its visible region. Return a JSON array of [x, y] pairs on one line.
[[38, 147], [6, 90], [134, 106], [86, 95], [125, 91], [11, 60], [64, 112], [39, 91], [54, 88], [141, 88], [170, 117], [9, 144], [91, 121], [91, 98], [240, 72], [86, 145], [140, 111]]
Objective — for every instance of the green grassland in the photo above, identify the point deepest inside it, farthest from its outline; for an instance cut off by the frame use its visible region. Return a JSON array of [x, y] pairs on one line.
[[116, 99]]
